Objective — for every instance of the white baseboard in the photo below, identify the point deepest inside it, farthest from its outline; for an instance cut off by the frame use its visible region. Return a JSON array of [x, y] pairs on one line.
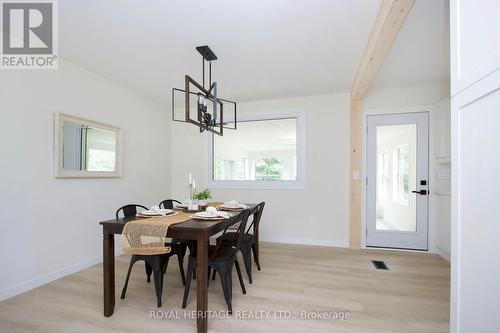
[[25, 286], [443, 253], [305, 242]]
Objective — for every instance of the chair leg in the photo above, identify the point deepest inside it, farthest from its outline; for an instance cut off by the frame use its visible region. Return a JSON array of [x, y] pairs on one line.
[[192, 253], [229, 277], [256, 256], [209, 272], [180, 258], [158, 276], [149, 270], [183, 247], [247, 260], [165, 266], [238, 270], [189, 277], [226, 285], [213, 274], [124, 290]]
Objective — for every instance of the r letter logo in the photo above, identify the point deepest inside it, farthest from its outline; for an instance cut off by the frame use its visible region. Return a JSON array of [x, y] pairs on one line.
[[29, 34]]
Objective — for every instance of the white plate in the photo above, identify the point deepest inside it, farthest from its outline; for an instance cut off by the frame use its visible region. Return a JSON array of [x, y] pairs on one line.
[[156, 212], [233, 207], [207, 215]]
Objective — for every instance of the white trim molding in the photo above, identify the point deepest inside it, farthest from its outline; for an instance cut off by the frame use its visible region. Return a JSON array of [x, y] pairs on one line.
[[298, 184], [41, 280], [60, 172]]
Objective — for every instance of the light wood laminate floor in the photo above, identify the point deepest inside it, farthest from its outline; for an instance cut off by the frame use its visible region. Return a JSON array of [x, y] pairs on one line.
[[413, 296]]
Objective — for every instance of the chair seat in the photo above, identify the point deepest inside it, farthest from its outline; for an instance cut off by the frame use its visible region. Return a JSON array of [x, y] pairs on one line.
[[229, 237]]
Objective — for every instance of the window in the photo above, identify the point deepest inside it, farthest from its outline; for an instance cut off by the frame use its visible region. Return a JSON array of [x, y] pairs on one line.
[[100, 150], [403, 173], [264, 152], [384, 175]]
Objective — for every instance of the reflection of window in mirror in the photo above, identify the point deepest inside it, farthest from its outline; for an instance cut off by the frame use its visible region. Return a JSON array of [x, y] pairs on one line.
[[100, 150], [72, 146], [86, 149]]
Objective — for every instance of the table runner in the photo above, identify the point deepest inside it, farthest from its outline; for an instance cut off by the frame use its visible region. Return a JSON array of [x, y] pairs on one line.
[[148, 236]]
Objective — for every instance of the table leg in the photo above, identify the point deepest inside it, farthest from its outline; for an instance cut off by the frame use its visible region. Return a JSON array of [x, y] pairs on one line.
[[108, 242], [201, 282]]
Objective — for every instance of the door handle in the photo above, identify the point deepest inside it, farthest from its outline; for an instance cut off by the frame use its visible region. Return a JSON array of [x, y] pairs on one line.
[[421, 192]]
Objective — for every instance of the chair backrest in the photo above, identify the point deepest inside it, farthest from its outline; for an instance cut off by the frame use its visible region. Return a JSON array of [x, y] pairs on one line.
[[239, 233], [168, 204], [244, 220], [257, 214], [128, 210]]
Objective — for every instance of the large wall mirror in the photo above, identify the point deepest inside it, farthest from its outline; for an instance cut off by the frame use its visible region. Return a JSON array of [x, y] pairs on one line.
[[85, 148]]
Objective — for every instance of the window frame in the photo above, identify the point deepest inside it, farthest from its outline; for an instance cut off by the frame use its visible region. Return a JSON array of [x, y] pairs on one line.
[[385, 187], [399, 180], [298, 184]]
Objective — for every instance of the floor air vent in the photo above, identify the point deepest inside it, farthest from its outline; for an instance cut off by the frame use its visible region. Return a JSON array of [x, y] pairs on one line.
[[379, 264]]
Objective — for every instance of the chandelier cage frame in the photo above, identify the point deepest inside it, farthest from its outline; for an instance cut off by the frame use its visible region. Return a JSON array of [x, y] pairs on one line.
[[210, 110]]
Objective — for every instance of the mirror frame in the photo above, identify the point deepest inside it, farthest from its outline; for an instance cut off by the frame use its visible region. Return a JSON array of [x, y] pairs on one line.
[[59, 172]]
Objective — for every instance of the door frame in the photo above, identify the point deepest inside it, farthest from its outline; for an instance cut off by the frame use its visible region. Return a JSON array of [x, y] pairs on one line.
[[431, 221], [418, 240]]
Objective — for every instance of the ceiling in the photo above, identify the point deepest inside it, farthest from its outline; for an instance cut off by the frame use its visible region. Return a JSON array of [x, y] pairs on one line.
[[420, 52], [266, 49]]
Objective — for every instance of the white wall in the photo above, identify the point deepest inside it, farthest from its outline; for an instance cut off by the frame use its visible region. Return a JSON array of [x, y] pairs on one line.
[[440, 195], [288, 212], [414, 99], [49, 226], [475, 154], [476, 212], [425, 94]]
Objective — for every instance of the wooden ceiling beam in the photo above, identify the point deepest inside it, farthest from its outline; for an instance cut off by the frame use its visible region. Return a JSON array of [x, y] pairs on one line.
[[390, 18]]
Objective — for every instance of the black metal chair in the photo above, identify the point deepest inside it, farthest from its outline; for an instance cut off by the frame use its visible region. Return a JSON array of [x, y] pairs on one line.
[[129, 210], [168, 204], [248, 244], [221, 259], [154, 264], [184, 243]]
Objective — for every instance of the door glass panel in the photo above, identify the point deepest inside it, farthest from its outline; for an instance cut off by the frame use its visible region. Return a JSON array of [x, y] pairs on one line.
[[396, 177]]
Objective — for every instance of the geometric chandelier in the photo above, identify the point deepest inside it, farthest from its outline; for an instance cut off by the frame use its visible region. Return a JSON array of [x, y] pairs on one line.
[[202, 106]]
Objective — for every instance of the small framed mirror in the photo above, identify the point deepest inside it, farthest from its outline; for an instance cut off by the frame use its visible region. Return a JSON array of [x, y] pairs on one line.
[[85, 148]]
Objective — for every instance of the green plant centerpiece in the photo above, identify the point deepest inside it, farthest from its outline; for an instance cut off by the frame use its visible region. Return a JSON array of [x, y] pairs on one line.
[[203, 196]]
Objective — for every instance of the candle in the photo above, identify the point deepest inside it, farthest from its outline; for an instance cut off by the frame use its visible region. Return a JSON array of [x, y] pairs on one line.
[[194, 186], [190, 179]]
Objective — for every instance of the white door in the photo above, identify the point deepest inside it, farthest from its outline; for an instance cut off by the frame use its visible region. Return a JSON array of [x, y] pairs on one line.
[[397, 180]]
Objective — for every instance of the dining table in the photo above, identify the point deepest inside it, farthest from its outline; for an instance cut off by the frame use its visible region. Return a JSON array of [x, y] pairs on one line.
[[196, 230]]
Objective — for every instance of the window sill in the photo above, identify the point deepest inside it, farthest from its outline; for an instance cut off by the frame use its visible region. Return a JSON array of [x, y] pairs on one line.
[[257, 185]]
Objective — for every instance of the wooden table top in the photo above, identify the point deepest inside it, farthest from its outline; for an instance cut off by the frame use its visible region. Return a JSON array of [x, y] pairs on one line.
[[115, 226]]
